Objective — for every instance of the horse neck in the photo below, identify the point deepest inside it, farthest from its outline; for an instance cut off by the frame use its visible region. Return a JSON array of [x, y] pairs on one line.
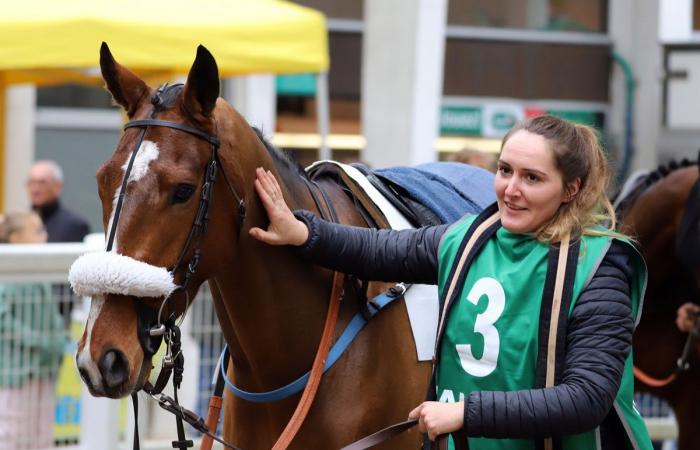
[[274, 302]]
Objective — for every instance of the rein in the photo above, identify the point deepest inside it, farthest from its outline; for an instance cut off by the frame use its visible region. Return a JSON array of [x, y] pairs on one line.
[[682, 364]]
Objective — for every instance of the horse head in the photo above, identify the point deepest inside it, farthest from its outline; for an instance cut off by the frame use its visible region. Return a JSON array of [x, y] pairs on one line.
[[156, 195]]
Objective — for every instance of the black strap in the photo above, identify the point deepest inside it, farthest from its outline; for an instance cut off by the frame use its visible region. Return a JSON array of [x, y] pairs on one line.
[[122, 192], [390, 196], [135, 403], [182, 442], [382, 435], [213, 140]]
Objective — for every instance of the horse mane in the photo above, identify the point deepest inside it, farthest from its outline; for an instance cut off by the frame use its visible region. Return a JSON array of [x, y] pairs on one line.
[[285, 161], [649, 179]]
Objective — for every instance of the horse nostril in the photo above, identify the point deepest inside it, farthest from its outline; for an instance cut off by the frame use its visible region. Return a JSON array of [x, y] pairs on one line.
[[84, 375], [114, 368]]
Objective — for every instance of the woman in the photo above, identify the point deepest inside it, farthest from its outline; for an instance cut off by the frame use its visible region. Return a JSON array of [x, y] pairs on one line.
[[32, 344], [551, 182]]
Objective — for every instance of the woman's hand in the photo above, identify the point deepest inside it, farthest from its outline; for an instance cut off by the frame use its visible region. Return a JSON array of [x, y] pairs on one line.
[[284, 228], [436, 418], [686, 316]]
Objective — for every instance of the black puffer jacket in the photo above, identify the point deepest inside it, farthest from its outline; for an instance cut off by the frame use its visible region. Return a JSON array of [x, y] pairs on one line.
[[598, 341]]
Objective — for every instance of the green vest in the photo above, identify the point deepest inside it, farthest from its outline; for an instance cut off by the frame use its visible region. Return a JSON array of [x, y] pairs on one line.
[[491, 335]]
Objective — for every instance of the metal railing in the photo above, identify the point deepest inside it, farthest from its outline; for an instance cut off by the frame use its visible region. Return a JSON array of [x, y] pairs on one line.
[[83, 422]]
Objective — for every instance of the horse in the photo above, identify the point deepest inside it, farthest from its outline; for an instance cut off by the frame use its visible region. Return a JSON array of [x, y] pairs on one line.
[[270, 304], [654, 214]]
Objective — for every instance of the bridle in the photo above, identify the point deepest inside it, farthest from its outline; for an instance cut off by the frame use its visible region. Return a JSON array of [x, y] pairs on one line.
[[155, 324], [152, 328]]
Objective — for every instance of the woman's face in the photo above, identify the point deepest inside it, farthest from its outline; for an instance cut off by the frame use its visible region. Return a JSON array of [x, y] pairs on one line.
[[529, 187]]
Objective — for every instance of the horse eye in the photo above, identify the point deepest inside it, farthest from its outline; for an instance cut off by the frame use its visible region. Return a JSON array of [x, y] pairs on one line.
[[182, 193]]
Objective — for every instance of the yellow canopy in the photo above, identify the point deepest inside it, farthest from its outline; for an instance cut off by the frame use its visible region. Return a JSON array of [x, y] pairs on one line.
[[245, 36], [51, 41]]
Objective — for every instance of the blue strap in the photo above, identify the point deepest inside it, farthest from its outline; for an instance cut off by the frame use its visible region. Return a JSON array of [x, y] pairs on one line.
[[351, 330]]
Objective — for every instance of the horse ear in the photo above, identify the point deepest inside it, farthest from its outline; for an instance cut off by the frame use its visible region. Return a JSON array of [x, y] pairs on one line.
[[125, 87], [202, 88]]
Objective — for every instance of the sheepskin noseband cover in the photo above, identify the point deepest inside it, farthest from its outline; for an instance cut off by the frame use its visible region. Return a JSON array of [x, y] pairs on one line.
[[109, 273]]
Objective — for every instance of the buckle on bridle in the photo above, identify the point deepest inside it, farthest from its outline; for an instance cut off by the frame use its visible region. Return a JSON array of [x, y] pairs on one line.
[[158, 330]]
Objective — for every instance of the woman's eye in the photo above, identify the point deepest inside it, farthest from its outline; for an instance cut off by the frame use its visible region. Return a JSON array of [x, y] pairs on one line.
[[504, 170], [182, 193], [532, 178]]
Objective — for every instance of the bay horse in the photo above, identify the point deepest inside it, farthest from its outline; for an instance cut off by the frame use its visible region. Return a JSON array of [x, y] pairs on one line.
[[271, 305], [654, 214]]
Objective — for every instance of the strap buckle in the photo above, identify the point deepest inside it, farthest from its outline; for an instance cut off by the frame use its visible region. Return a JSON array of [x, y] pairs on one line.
[[397, 291], [158, 330]]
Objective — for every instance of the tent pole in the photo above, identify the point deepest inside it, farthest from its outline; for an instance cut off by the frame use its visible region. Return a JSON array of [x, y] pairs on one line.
[[3, 144], [323, 114]]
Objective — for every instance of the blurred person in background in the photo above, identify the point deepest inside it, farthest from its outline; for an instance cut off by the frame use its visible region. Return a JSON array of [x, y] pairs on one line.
[[45, 185], [32, 344], [476, 158]]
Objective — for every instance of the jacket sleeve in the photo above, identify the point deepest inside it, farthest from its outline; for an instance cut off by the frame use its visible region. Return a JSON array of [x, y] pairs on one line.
[[410, 255], [599, 340]]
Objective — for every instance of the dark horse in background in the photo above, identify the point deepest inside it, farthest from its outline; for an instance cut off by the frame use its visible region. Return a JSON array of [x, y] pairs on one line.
[[662, 214]]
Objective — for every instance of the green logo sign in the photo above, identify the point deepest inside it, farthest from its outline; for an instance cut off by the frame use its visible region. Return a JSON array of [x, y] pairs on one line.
[[460, 120], [503, 121]]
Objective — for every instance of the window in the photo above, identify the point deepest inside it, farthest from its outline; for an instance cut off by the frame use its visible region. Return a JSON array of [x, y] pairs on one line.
[[541, 15], [73, 96]]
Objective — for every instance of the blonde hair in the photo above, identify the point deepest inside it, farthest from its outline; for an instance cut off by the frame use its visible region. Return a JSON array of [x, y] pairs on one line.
[[577, 153], [12, 223]]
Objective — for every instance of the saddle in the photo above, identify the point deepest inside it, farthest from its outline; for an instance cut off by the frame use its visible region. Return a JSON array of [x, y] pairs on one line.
[[378, 199], [383, 206]]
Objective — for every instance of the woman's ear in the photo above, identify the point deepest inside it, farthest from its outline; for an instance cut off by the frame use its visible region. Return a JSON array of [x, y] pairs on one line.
[[572, 189]]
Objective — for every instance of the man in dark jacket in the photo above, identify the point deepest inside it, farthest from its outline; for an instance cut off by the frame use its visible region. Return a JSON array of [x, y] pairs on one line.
[[45, 185]]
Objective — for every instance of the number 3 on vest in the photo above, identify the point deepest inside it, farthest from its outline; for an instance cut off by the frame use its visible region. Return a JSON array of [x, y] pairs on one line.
[[483, 325]]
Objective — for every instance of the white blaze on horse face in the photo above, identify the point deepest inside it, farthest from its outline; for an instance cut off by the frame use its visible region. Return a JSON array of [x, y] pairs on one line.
[[147, 152], [85, 360]]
